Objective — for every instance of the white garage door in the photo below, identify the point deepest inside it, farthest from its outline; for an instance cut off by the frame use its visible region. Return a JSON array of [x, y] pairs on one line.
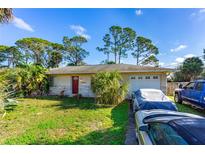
[[144, 81]]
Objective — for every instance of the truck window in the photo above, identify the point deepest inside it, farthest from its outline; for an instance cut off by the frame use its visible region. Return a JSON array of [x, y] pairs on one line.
[[190, 85], [199, 86]]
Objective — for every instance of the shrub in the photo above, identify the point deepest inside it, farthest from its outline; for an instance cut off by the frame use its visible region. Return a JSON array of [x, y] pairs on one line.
[[26, 80], [109, 88], [5, 94]]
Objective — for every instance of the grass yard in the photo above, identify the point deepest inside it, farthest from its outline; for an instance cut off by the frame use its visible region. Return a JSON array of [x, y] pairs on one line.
[[188, 108], [51, 120]]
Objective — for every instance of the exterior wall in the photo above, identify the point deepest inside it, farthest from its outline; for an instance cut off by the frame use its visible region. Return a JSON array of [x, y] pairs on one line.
[[163, 83], [64, 82], [85, 86], [61, 83]]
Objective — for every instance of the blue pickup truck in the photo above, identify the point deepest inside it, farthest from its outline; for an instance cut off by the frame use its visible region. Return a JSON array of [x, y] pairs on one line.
[[193, 92]]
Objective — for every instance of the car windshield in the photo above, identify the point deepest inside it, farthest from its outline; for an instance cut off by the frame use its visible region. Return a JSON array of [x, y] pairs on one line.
[[193, 129], [152, 95], [163, 134]]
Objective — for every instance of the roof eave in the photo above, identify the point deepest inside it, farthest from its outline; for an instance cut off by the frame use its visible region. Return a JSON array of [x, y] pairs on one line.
[[144, 71]]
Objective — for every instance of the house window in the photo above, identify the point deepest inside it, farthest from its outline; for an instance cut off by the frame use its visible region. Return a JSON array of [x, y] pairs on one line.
[[132, 77], [155, 77], [140, 78], [147, 77]]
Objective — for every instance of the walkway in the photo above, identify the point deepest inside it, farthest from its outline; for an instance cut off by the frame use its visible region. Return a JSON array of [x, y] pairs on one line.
[[130, 134]]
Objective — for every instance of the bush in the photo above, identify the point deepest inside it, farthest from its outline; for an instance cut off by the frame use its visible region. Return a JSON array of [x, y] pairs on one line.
[[5, 93], [26, 81], [109, 88]]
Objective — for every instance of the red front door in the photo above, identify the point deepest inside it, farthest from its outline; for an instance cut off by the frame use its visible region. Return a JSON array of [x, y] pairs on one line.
[[75, 81]]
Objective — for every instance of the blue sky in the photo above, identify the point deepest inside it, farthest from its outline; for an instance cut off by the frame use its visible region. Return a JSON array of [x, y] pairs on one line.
[[178, 33]]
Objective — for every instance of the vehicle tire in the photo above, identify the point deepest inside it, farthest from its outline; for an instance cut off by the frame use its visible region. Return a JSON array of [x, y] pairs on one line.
[[177, 98]]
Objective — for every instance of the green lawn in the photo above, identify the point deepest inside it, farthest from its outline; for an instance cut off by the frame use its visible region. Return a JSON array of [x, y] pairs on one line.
[[51, 120], [188, 108]]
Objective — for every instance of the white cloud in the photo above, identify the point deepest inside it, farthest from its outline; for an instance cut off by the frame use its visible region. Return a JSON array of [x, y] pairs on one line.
[[138, 12], [79, 30], [189, 55], [180, 47], [174, 64], [199, 15], [20, 23], [202, 11], [179, 60], [193, 14], [161, 63]]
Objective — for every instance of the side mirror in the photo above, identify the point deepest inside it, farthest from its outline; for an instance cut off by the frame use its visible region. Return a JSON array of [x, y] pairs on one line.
[[180, 86], [143, 128]]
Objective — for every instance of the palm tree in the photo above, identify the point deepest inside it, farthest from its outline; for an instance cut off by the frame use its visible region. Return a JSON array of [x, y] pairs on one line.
[[6, 15]]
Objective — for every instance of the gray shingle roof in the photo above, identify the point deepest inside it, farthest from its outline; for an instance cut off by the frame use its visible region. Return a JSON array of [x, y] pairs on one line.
[[91, 69]]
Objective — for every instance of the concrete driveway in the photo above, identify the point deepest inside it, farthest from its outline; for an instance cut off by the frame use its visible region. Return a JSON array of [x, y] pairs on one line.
[[131, 134]]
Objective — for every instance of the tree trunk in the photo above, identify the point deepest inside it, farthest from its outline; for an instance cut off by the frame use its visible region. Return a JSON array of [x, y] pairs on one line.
[[115, 50], [137, 60], [76, 59], [108, 57], [8, 63], [119, 56], [137, 57], [12, 62], [38, 61], [115, 57]]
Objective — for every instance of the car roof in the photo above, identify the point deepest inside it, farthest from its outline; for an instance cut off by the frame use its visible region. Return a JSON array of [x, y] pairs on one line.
[[192, 129], [189, 126], [160, 115]]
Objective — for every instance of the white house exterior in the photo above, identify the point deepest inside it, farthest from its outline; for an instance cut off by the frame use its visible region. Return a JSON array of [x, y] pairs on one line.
[[72, 80]]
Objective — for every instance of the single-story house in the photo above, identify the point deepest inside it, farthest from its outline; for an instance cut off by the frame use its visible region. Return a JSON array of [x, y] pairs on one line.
[[73, 80]]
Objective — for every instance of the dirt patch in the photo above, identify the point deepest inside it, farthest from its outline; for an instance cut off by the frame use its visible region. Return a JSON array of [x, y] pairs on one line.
[[59, 132]]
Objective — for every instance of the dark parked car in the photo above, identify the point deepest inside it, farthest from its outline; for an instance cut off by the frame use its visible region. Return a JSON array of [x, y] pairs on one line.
[[193, 92], [147, 99], [163, 127]]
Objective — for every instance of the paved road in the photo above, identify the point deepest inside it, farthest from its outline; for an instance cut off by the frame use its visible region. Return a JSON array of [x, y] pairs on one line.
[[130, 134]]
